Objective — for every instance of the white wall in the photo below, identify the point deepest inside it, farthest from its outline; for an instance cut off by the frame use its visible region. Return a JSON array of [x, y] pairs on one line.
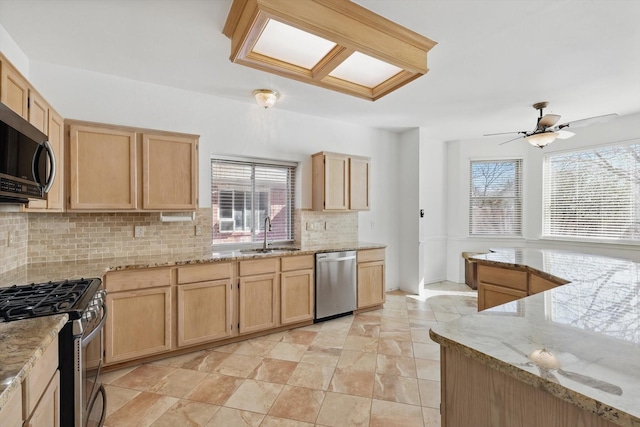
[[13, 53], [234, 128], [460, 153]]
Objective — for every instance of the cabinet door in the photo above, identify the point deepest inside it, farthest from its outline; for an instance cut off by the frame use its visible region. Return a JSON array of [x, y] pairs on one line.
[[55, 196], [11, 413], [47, 413], [138, 324], [14, 89], [371, 289], [296, 296], [257, 297], [539, 284], [336, 182], [204, 312], [102, 169], [359, 176], [169, 172], [38, 112], [491, 295]]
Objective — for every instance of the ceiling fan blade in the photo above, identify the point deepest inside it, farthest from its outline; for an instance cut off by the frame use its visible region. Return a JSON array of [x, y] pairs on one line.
[[502, 143], [504, 133], [564, 134], [548, 120], [588, 121]]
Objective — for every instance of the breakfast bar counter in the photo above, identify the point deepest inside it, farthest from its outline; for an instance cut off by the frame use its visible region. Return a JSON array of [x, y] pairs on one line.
[[566, 356]]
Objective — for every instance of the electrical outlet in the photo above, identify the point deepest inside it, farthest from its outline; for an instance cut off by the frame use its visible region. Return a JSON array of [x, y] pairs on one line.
[[198, 230], [11, 238], [138, 231]]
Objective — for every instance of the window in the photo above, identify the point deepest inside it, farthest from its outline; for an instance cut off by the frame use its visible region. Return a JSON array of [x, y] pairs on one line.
[[495, 198], [593, 194], [244, 192]]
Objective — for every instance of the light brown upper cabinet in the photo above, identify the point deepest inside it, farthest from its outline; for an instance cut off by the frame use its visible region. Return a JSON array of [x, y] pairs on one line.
[[340, 182], [14, 89], [116, 168]]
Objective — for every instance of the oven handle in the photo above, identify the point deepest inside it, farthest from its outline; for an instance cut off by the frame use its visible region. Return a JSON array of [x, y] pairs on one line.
[[98, 328], [101, 391]]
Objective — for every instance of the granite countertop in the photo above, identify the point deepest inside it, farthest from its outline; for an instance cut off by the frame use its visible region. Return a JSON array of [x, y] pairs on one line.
[[23, 343], [591, 327], [43, 272]]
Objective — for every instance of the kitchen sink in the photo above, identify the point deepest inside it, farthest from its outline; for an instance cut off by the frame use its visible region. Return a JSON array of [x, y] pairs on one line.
[[270, 250]]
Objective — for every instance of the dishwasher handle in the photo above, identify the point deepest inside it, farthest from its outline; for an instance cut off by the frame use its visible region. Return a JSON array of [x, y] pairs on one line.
[[345, 258]]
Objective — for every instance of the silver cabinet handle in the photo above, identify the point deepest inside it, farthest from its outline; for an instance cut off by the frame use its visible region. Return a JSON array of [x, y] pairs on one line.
[[346, 258]]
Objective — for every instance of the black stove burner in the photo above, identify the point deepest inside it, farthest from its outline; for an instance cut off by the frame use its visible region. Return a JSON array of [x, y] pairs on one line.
[[35, 300]]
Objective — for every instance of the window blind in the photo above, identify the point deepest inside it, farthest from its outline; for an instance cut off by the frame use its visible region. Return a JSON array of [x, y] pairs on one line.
[[495, 198], [244, 192], [593, 193]]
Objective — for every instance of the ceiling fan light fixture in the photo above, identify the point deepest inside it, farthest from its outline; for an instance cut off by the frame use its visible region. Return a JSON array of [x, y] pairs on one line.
[[266, 98], [541, 139]]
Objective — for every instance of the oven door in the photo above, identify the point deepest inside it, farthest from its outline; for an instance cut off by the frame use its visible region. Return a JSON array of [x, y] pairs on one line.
[[92, 398]]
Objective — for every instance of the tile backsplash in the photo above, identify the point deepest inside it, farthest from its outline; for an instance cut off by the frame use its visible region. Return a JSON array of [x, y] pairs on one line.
[[55, 237]]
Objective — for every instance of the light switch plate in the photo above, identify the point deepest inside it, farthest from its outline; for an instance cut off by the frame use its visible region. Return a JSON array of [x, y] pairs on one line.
[[138, 231]]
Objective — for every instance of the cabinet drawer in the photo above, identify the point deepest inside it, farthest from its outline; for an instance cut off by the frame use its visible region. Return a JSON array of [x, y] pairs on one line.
[[538, 284], [204, 272], [371, 255], [38, 379], [258, 266], [301, 262], [137, 279], [509, 278]]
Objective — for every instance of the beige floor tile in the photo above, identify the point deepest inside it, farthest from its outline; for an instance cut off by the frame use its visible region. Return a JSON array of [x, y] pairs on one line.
[[178, 383], [404, 335], [431, 417], [421, 335], [141, 411], [429, 393], [368, 318], [118, 396], [426, 351], [186, 413], [206, 361], [391, 312], [357, 360], [394, 347], [270, 421], [328, 339], [215, 389], [229, 417], [341, 410], [274, 371], [312, 376], [254, 396], [390, 324], [396, 389], [143, 377], [315, 327], [421, 314], [229, 348], [298, 403], [317, 355], [427, 369], [336, 326], [178, 361], [255, 347], [365, 330], [395, 365], [288, 351], [111, 376], [422, 324], [296, 336], [366, 344], [394, 414], [357, 383], [238, 365]]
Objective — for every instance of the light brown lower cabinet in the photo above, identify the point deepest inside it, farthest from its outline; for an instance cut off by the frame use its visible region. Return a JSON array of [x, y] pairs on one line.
[[257, 298], [474, 394], [492, 295], [138, 324], [204, 312], [11, 413], [47, 411], [371, 286], [297, 289], [41, 391]]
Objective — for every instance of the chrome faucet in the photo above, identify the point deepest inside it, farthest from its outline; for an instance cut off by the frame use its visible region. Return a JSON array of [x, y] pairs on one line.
[[267, 220]]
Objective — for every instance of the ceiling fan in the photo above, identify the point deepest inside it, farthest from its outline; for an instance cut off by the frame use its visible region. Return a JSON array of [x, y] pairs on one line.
[[546, 130]]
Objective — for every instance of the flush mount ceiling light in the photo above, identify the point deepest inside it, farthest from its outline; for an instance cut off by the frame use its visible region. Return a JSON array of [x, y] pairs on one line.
[[265, 97], [335, 44]]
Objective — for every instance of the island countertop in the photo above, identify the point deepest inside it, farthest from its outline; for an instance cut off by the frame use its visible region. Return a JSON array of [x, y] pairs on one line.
[[590, 326], [22, 343]]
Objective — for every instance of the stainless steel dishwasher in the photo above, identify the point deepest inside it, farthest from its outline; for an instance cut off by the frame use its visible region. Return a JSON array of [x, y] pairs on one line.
[[335, 284]]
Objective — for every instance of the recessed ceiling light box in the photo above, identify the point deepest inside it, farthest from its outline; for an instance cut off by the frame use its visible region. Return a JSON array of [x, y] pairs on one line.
[[335, 44]]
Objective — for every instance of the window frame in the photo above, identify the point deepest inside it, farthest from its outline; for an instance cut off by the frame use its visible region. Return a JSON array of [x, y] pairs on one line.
[[519, 162], [291, 168]]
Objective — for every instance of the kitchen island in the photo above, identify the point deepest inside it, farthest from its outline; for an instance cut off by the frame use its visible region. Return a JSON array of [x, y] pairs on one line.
[[566, 356]]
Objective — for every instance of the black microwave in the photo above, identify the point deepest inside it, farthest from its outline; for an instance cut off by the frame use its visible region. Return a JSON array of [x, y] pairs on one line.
[[27, 161]]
